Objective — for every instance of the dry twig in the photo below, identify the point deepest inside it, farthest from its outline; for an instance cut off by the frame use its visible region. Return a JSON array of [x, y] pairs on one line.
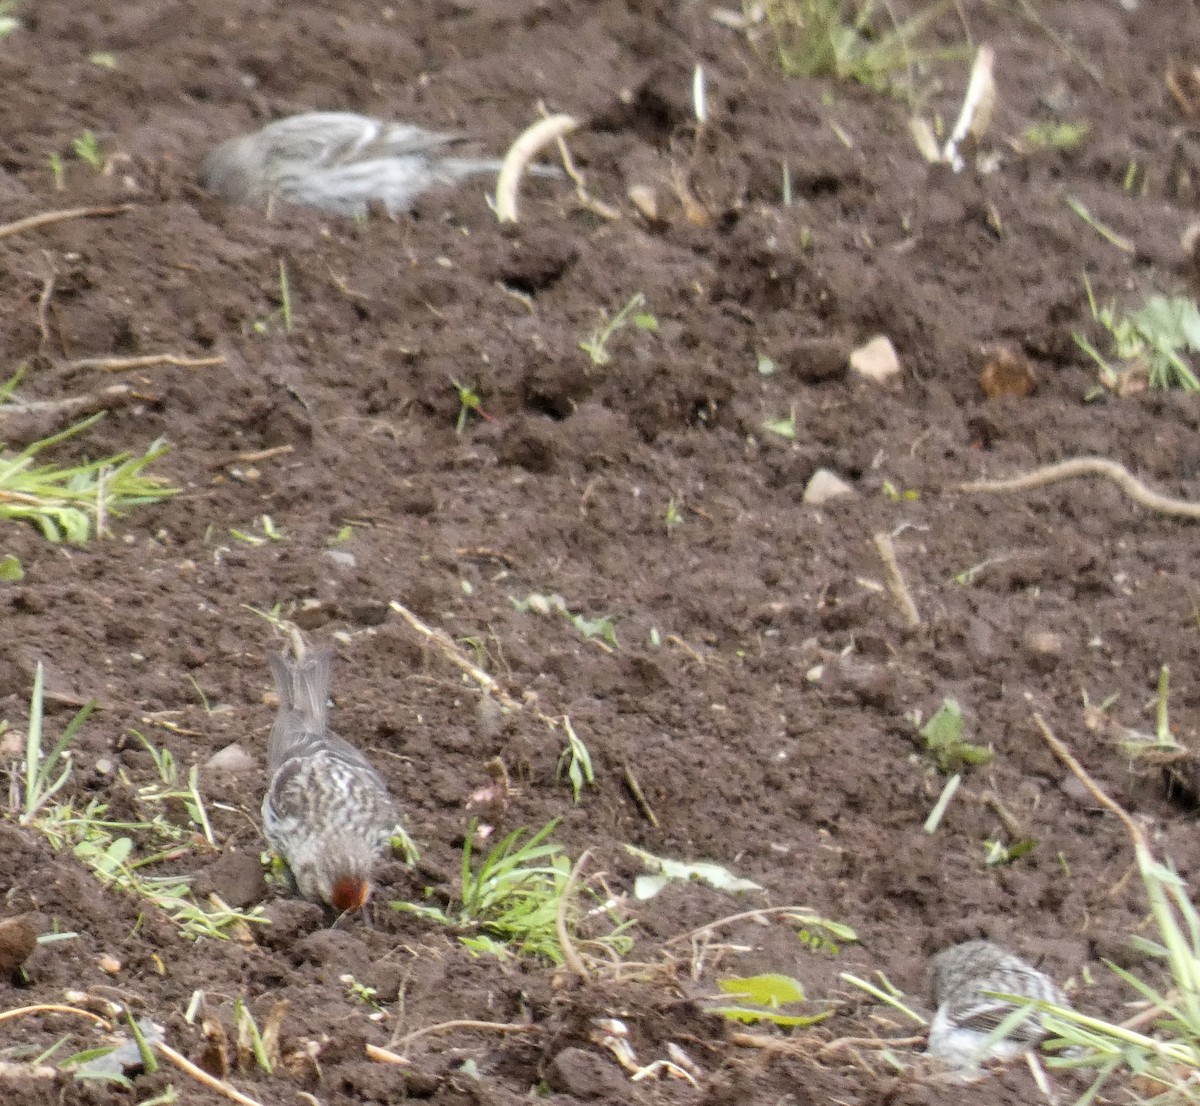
[[456, 657], [446, 1027], [1091, 466], [201, 1076], [639, 796], [571, 958], [47, 218], [385, 1056], [150, 361], [53, 1008], [895, 580], [113, 394]]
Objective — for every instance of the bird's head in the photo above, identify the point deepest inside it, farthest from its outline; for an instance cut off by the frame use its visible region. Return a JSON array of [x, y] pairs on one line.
[[339, 875]]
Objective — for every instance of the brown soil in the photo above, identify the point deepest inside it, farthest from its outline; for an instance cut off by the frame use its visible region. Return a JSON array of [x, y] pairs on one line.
[[814, 786]]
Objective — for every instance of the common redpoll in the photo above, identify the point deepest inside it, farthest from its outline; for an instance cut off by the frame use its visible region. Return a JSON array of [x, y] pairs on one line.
[[963, 977], [327, 813], [337, 161]]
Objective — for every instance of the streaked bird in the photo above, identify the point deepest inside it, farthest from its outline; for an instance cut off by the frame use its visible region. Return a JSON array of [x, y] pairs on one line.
[[327, 812], [339, 162], [963, 978]]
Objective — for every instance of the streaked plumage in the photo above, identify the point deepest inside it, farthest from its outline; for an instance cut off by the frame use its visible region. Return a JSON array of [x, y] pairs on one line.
[[336, 161], [962, 977], [327, 812]]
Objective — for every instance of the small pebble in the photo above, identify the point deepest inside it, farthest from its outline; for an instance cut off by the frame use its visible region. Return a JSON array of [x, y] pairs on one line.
[[824, 486], [876, 361], [18, 939]]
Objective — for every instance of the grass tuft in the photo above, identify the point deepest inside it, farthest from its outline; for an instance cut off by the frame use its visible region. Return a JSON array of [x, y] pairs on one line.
[[510, 904], [835, 38], [120, 852], [1151, 345], [72, 503]]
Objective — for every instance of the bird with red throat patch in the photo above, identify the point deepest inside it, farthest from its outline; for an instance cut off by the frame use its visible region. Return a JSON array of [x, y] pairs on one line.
[[327, 812]]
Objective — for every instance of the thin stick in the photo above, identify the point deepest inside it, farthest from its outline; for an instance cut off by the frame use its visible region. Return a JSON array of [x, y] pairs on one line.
[[874, 1042], [589, 202], [639, 796], [43, 307], [895, 581], [265, 454], [385, 1056], [1111, 805], [102, 501], [444, 1027], [1091, 466], [731, 918], [53, 1008], [150, 361], [111, 394], [46, 218], [570, 957], [201, 1076], [452, 653], [1012, 824]]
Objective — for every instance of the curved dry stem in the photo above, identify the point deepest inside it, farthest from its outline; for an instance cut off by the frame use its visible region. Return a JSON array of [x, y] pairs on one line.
[[729, 919], [54, 1008], [446, 1027], [520, 154], [571, 958], [46, 218], [1067, 757], [1091, 466], [202, 1077]]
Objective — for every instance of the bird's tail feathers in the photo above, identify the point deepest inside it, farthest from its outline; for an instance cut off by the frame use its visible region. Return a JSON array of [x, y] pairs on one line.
[[303, 686], [467, 166]]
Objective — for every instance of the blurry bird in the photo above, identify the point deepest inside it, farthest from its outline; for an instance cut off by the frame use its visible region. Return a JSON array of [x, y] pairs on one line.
[[339, 162], [963, 976], [327, 813]]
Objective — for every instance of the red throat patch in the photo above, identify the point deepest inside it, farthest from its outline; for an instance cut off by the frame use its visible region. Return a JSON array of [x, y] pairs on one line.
[[349, 893]]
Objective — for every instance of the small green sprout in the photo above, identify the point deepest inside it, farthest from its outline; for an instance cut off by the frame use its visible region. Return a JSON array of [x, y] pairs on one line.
[[469, 402], [1056, 136], [11, 570], [577, 761], [785, 427], [996, 853], [249, 1039], [591, 628], [360, 992], [672, 516], [596, 346], [87, 148], [943, 735], [58, 172], [269, 532]]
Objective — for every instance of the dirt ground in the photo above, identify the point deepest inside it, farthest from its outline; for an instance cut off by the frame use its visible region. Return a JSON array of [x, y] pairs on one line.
[[765, 682]]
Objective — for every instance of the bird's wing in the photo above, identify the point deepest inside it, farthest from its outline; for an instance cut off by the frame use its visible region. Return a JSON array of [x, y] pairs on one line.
[[332, 138]]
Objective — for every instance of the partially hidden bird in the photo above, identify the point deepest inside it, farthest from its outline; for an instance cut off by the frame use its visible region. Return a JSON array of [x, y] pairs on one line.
[[327, 812], [966, 979], [339, 162]]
